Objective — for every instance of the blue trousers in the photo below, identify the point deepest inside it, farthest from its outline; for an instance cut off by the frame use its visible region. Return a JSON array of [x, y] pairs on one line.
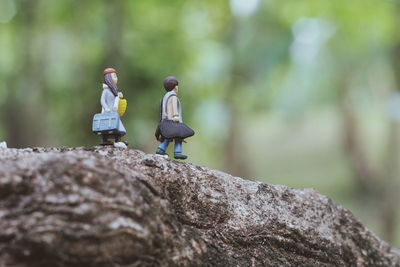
[[177, 146]]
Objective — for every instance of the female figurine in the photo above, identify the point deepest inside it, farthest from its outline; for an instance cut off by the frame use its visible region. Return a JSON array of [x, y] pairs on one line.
[[109, 103]]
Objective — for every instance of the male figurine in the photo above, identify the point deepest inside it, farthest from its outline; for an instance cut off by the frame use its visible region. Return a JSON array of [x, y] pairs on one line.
[[171, 126]]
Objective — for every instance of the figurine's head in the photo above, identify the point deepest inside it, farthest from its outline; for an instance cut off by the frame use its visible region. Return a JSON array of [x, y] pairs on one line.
[[111, 73], [111, 79], [171, 83]]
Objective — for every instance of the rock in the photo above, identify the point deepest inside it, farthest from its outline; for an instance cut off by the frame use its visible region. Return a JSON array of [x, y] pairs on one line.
[[106, 206]]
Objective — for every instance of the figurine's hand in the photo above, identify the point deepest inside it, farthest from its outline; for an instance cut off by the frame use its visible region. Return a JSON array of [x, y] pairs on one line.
[[108, 110], [176, 119], [120, 95]]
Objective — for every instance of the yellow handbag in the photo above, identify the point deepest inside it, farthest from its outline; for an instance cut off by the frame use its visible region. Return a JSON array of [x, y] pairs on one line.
[[122, 104]]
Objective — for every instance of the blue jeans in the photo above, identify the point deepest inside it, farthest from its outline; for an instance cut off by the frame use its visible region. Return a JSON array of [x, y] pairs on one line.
[[177, 146]]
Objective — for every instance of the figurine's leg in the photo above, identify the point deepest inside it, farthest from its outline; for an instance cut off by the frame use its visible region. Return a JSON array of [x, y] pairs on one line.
[[121, 128], [178, 150], [162, 148], [118, 138], [104, 140]]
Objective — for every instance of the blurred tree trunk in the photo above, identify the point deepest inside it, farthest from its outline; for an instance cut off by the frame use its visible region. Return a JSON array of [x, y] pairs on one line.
[[390, 210], [113, 36], [364, 173], [111, 57], [235, 145], [379, 186], [24, 109]]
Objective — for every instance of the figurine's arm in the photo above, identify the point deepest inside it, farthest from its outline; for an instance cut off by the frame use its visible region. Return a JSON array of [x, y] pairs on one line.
[[116, 103], [175, 112], [103, 101]]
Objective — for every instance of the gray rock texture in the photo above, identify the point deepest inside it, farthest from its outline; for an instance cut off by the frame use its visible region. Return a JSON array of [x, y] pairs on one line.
[[118, 207]]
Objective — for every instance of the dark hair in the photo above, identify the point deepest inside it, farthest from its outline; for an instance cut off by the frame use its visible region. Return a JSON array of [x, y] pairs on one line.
[[170, 83], [110, 83]]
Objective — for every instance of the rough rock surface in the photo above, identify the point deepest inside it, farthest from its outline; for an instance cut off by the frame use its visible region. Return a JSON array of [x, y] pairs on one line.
[[116, 207]]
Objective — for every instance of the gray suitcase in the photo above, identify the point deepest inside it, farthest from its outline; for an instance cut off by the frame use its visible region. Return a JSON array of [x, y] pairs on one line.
[[105, 123]]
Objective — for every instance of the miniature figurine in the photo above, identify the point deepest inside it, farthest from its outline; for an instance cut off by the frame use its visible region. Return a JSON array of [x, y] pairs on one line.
[[171, 126], [108, 123]]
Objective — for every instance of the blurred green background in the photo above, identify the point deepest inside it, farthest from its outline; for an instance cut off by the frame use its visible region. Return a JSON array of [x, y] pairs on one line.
[[304, 93]]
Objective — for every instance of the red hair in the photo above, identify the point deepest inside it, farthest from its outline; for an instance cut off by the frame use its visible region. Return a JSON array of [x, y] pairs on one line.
[[109, 70]]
